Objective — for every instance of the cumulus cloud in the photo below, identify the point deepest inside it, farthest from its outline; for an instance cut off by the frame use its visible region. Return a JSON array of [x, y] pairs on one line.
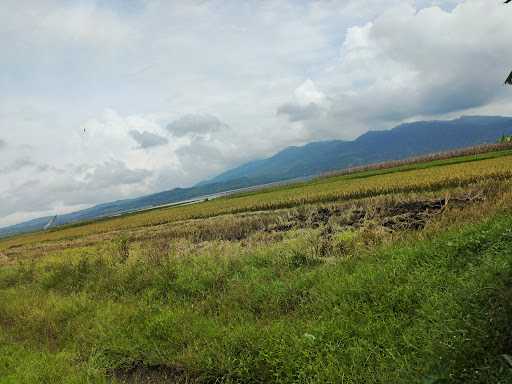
[[409, 63], [206, 156], [437, 61], [79, 185], [297, 112], [308, 93], [195, 125], [147, 139], [17, 165], [113, 173], [309, 103]]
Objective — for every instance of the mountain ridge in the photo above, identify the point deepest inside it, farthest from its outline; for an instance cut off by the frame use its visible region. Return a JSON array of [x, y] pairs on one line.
[[377, 146]]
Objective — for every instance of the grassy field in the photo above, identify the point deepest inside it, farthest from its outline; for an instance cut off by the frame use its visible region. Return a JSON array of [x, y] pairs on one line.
[[385, 276]]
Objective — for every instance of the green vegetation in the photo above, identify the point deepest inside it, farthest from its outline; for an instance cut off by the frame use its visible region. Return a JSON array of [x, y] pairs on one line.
[[404, 277], [505, 139]]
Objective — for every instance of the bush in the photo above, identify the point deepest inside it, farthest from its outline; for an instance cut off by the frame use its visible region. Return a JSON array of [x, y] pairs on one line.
[[122, 248]]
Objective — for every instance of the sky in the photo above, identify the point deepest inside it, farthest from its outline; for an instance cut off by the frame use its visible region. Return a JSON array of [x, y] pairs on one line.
[[109, 99]]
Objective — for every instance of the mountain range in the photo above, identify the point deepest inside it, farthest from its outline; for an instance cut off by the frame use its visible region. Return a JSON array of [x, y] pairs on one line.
[[403, 141]]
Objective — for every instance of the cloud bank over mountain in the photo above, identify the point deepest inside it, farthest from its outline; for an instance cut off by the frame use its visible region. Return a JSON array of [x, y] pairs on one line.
[[147, 139], [103, 100]]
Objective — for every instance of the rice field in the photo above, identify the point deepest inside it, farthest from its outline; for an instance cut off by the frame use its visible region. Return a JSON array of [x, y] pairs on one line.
[[435, 176]]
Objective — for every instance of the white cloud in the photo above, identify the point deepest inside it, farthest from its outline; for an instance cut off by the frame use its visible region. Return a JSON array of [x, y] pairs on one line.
[[42, 191], [299, 112], [309, 103], [147, 139], [195, 125], [409, 64], [16, 165], [308, 93]]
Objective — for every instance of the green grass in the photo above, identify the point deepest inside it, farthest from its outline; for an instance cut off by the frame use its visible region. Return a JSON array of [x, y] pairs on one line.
[[436, 310]]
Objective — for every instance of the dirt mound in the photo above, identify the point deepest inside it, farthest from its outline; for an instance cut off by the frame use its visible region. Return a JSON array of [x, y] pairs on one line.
[[406, 215], [414, 215], [320, 217], [411, 215]]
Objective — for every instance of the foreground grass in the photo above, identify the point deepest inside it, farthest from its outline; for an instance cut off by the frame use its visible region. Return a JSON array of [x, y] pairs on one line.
[[429, 311]]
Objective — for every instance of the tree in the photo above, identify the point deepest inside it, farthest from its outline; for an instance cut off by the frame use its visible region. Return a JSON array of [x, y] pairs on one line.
[[509, 78]]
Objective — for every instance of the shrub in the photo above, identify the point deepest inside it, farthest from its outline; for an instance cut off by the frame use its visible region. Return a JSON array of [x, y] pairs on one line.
[[122, 248]]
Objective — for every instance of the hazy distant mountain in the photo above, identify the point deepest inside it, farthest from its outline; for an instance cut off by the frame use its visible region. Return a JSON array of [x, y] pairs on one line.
[[401, 142], [125, 206], [404, 141]]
